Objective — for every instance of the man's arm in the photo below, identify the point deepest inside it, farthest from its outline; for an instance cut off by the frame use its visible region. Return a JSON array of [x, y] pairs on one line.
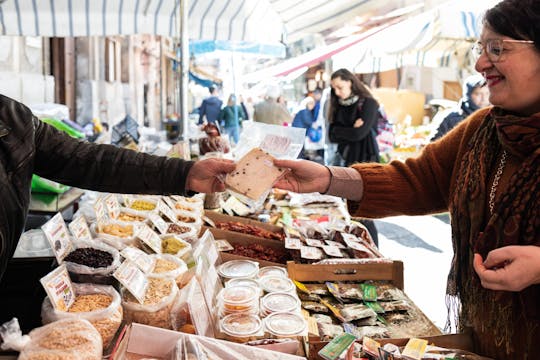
[[105, 167]]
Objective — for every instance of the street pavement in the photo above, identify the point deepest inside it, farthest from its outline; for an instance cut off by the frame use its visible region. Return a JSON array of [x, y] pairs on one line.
[[424, 245]]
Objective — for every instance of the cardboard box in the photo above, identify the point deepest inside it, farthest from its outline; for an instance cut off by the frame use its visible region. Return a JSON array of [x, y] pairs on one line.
[[215, 216], [142, 341], [392, 272], [235, 238]]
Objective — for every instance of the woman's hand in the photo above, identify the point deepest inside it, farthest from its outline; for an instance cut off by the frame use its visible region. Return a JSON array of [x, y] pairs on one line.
[[207, 176], [303, 176], [358, 123], [510, 268]]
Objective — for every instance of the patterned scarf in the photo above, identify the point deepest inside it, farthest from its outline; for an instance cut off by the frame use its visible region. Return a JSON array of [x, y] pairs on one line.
[[348, 101], [515, 221]]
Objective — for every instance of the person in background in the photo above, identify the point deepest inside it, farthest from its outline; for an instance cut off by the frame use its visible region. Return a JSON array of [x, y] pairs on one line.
[[317, 96], [353, 115], [244, 107], [475, 96], [210, 107], [269, 111], [486, 172], [231, 117], [305, 118], [29, 146]]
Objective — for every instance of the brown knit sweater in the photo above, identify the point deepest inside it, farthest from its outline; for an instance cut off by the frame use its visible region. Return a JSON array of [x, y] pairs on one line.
[[424, 185], [421, 185]]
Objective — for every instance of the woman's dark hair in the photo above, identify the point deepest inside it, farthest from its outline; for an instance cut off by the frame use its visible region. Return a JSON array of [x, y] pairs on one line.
[[357, 88], [517, 19]]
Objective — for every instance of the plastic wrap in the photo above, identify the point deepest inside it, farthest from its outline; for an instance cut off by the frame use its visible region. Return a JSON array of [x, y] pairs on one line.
[[106, 320], [74, 339], [190, 314], [158, 302], [164, 261], [96, 275], [117, 239]]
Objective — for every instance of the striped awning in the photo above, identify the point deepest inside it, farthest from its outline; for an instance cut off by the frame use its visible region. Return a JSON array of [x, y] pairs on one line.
[[263, 21], [236, 20]]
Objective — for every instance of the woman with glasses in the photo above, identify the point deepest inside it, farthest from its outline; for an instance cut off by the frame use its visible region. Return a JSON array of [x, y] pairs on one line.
[[486, 172]]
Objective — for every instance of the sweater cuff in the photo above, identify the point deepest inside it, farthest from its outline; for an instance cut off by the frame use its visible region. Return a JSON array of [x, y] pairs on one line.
[[346, 183]]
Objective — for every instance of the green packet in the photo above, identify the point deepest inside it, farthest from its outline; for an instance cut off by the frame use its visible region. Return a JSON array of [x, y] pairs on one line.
[[369, 292], [337, 346]]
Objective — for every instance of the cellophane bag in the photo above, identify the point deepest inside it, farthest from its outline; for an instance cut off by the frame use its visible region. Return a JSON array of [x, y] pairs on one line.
[[96, 275], [106, 320], [74, 339]]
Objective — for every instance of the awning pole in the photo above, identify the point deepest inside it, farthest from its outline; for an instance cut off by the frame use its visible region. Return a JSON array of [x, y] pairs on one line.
[[184, 68]]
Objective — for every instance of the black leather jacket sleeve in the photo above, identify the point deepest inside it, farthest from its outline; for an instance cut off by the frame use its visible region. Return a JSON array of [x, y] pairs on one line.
[[105, 168]]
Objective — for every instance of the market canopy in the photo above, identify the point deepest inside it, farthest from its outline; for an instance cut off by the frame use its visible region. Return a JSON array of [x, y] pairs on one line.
[[441, 37], [262, 21]]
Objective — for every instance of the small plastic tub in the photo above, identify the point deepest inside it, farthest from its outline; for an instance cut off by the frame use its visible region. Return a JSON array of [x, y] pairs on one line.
[[241, 328], [238, 269], [272, 284], [238, 299], [279, 302], [285, 325], [273, 271]]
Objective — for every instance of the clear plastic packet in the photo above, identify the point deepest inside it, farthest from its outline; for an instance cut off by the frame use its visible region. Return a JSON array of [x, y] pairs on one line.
[[117, 234], [156, 307], [99, 304], [190, 312], [74, 339], [168, 266], [174, 245], [132, 216], [92, 261]]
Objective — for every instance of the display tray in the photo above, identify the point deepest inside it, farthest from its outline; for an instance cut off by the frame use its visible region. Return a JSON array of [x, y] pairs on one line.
[[235, 239], [218, 217], [391, 272]]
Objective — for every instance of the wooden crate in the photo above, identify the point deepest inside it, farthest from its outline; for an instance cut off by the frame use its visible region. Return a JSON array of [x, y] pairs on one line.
[[392, 272], [215, 216]]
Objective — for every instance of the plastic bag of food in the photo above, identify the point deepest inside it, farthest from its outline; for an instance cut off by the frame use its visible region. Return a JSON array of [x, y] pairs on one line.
[[117, 234], [92, 262], [255, 174], [74, 339], [190, 314], [132, 216], [157, 305], [168, 266], [99, 304]]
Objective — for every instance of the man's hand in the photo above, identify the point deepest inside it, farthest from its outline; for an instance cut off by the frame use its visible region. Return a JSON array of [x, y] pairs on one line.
[[303, 176], [207, 176], [510, 268]]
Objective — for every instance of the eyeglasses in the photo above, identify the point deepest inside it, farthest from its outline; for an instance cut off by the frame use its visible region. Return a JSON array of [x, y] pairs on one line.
[[495, 48]]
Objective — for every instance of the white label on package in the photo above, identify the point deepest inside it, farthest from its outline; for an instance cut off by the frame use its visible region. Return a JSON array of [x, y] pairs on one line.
[[224, 245], [133, 279], [59, 288], [113, 206], [158, 223], [332, 251], [167, 211], [276, 145], [99, 208], [209, 281], [139, 258], [335, 243], [310, 252], [169, 201], [293, 243], [79, 229], [354, 244], [57, 233], [314, 242], [150, 238], [213, 253]]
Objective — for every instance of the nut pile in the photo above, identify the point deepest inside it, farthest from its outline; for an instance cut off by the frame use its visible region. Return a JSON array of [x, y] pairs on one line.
[[178, 229], [163, 266], [86, 303], [257, 251], [118, 230], [143, 205]]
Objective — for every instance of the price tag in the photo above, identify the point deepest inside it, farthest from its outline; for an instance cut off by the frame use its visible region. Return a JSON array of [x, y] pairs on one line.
[[79, 229], [209, 281], [99, 208], [59, 288], [169, 201], [57, 233], [310, 252], [139, 258], [275, 144], [293, 243], [158, 223], [332, 251], [150, 238], [353, 243], [133, 279], [335, 243], [167, 212], [112, 205], [314, 242], [224, 245]]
